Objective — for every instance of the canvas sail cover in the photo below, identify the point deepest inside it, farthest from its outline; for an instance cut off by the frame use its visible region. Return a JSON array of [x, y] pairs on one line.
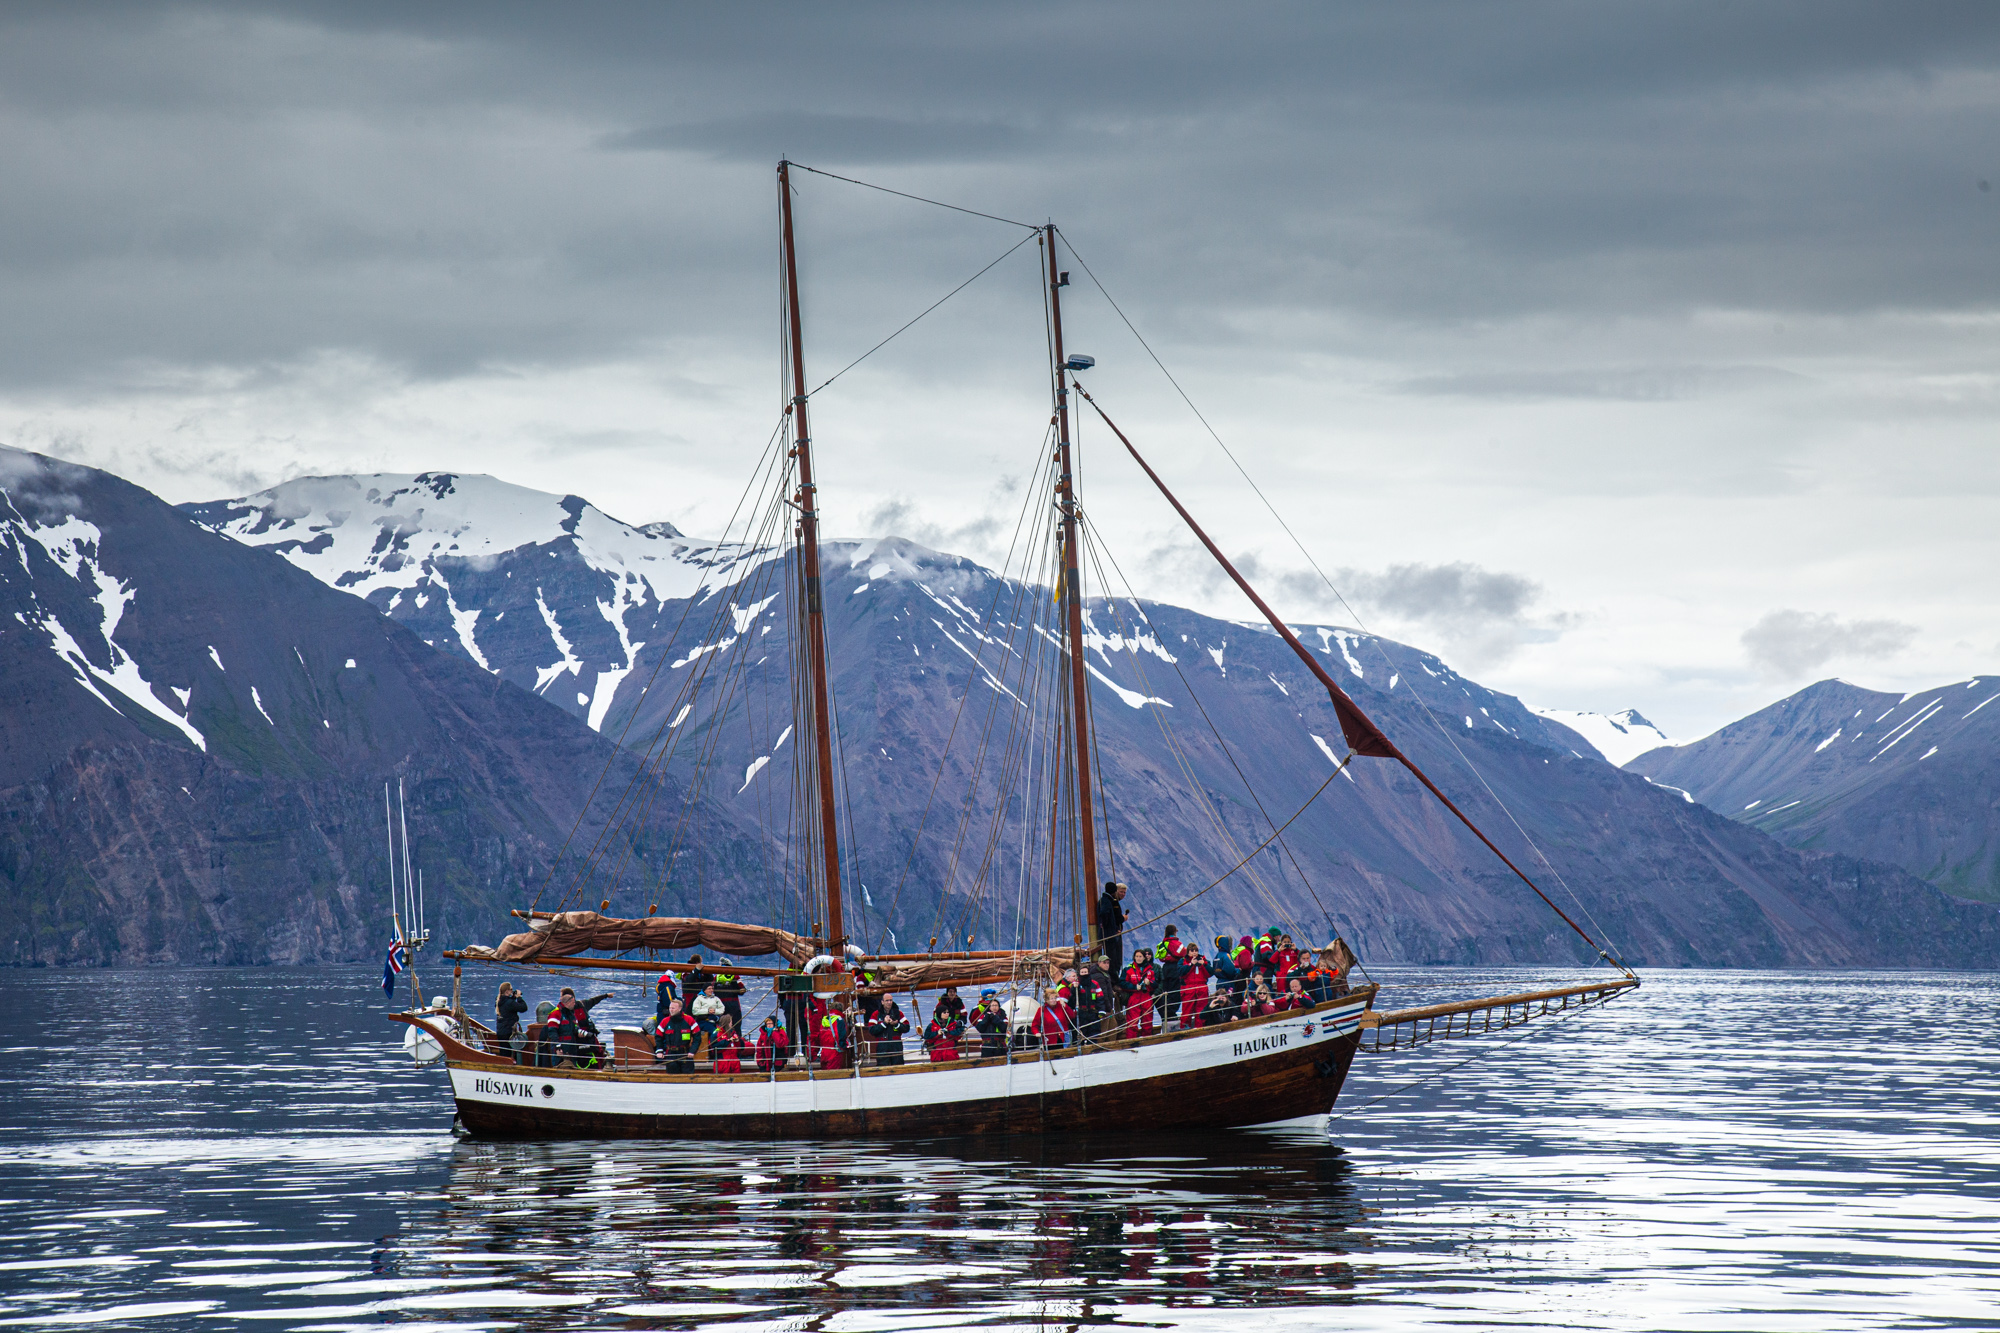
[[930, 974], [568, 934]]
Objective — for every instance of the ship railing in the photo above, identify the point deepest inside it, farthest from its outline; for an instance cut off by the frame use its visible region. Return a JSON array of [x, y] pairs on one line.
[[1406, 1029]]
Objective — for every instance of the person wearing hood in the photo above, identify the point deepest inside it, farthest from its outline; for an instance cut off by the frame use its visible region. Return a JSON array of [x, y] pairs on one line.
[[1171, 962], [1111, 924], [729, 989], [1245, 958], [774, 1045], [1223, 967], [833, 1040], [941, 1035]]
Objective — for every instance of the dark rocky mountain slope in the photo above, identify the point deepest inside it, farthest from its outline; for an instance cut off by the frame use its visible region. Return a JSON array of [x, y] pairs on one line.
[[1911, 780], [194, 736], [641, 633]]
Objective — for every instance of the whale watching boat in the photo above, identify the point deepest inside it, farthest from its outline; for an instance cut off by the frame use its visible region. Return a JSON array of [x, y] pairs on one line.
[[1246, 1070]]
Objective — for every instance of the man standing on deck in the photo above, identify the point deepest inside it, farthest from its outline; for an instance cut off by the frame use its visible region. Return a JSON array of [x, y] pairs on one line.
[[1111, 924]]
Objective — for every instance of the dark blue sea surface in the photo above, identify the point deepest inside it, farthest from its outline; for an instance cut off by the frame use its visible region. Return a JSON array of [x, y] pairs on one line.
[[250, 1149]]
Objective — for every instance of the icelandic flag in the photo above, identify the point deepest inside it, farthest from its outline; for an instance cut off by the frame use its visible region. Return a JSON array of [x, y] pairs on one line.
[[398, 959]]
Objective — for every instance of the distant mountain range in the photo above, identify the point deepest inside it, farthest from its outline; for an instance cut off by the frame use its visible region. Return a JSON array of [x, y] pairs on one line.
[[1912, 780], [646, 635]]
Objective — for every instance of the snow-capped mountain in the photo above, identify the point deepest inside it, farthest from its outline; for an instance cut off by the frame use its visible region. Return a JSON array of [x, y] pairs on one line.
[[546, 591], [1913, 779], [1619, 737], [194, 737], [675, 645]]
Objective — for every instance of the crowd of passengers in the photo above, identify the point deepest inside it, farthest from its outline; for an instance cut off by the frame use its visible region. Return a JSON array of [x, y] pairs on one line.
[[699, 1018]]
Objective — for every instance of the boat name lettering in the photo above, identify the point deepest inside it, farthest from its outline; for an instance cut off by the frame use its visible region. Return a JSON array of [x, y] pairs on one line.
[[1256, 1044], [497, 1087]]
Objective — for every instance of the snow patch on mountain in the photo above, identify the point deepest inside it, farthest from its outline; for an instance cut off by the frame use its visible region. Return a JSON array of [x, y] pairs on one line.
[[1619, 737], [417, 545], [90, 650]]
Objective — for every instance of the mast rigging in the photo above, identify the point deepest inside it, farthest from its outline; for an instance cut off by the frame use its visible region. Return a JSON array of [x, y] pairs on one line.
[[807, 503], [1072, 592]]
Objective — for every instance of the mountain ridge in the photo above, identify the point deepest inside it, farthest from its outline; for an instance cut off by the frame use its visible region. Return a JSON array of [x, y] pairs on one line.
[[194, 735], [916, 637], [1908, 779]]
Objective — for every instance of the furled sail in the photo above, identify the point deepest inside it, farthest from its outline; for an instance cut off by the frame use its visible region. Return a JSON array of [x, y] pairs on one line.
[[567, 934]]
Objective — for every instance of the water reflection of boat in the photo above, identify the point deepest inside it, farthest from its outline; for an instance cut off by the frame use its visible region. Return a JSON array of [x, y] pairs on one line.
[[1039, 757], [809, 1228]]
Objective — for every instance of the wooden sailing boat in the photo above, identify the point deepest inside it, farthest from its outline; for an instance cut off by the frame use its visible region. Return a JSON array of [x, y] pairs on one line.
[[1249, 1070]]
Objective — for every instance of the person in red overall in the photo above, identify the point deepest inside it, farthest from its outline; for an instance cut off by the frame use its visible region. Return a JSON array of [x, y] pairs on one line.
[[1295, 996], [1285, 959], [1140, 981], [1054, 1021], [830, 1038], [726, 1047], [774, 1046], [941, 1035], [1194, 989]]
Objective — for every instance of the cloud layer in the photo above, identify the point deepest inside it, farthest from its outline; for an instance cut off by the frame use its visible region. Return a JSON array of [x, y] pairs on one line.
[[1575, 337]]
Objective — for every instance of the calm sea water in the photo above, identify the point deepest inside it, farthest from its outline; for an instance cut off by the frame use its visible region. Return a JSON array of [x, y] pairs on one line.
[[249, 1149]]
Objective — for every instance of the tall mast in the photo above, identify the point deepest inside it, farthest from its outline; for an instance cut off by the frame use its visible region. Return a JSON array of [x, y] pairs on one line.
[[1072, 591], [808, 506]]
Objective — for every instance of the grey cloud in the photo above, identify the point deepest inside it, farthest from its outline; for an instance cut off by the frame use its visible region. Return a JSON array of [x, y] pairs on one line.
[[1789, 644], [1642, 384], [1447, 593], [1478, 616], [817, 137], [979, 537], [245, 185]]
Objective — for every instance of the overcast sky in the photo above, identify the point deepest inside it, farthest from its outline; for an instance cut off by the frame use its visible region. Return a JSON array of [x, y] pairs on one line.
[[1627, 356]]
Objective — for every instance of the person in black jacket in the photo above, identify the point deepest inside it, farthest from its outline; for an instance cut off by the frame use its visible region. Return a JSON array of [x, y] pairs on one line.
[[668, 992], [1099, 1001], [729, 989], [886, 1029], [1111, 925], [508, 1009], [572, 1033], [674, 1038], [990, 1020], [695, 978]]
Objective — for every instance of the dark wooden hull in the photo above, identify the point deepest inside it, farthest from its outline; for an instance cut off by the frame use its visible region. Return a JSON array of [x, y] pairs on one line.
[[1263, 1070]]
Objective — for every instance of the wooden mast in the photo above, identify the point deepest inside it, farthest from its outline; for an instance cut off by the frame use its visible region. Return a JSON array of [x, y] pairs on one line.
[[1072, 593], [807, 503]]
